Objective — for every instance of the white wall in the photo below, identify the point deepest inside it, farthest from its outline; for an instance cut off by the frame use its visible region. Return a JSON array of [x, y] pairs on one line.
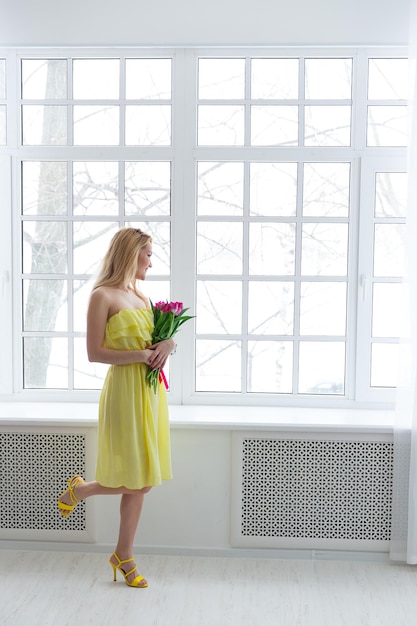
[[202, 22], [191, 511], [194, 509], [201, 509]]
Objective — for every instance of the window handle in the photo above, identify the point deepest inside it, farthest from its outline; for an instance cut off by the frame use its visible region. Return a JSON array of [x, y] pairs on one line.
[[364, 282], [5, 277]]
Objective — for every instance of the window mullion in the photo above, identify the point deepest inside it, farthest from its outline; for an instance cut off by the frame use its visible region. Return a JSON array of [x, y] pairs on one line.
[[359, 99], [245, 278], [183, 217]]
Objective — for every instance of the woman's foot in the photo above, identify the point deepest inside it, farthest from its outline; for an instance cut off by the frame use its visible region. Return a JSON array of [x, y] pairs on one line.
[[68, 500], [127, 567]]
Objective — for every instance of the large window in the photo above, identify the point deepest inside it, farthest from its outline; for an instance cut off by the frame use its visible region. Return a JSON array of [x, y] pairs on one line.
[[274, 186]]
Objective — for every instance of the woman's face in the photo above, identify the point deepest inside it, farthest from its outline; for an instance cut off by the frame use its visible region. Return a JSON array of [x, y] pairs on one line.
[[144, 262]]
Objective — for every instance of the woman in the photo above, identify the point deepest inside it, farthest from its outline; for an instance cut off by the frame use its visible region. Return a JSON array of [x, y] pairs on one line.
[[133, 429]]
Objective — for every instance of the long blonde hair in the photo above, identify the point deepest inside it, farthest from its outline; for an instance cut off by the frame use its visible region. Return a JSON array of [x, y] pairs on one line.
[[118, 268]]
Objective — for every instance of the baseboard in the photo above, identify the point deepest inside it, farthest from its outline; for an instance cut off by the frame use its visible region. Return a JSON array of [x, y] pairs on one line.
[[186, 551]]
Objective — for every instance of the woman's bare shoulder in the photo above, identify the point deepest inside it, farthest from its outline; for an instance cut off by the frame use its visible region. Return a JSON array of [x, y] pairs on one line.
[[102, 293], [102, 296], [107, 299], [114, 300]]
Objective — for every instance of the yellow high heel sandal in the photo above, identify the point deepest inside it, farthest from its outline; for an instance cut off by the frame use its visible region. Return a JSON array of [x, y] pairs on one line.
[[136, 581], [66, 509]]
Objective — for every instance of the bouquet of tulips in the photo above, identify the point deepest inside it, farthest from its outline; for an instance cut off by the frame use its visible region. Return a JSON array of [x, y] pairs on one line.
[[167, 317]]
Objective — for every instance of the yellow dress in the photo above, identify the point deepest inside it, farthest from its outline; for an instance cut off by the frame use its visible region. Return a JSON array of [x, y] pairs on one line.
[[133, 433]]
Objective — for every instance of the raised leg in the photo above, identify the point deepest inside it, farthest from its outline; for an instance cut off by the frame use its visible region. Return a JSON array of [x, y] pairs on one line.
[[84, 489]]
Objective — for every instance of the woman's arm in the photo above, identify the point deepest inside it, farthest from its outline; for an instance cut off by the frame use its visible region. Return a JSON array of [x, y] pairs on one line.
[[97, 316]]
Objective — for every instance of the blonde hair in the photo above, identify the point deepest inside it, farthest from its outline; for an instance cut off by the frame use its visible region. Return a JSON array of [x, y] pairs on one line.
[[118, 268]]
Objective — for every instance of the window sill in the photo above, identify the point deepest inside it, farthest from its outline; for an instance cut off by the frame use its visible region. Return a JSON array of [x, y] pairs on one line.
[[58, 414]]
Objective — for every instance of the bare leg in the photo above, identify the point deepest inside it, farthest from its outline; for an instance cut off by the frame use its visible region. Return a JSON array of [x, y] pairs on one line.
[[87, 489], [130, 510], [131, 504]]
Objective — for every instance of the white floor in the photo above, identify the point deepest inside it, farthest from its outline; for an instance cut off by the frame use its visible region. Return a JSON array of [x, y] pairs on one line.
[[43, 588]]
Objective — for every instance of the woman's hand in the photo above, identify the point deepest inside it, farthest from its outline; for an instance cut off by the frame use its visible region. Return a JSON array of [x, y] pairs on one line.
[[146, 356], [160, 353]]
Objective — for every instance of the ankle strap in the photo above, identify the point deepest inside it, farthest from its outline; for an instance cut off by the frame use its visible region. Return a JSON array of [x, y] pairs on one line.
[[120, 562]]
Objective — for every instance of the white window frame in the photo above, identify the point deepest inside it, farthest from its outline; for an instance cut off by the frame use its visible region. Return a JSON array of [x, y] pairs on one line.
[[184, 154]]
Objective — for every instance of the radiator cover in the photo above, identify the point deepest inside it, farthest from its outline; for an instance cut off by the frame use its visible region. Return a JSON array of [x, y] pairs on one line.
[[34, 467], [313, 492]]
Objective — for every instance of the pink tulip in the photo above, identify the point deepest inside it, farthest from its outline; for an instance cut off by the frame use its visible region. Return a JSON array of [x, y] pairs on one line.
[[177, 307], [168, 317], [170, 307]]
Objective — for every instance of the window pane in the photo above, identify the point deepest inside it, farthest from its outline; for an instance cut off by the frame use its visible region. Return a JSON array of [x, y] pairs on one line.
[[148, 125], [327, 126], [219, 307], [44, 79], [45, 305], [272, 249], [95, 188], [387, 309], [388, 79], [220, 188], [221, 79], [323, 308], [387, 126], [87, 375], [274, 125], [44, 247], [96, 125], [44, 188], [390, 194], [389, 249], [157, 290], [91, 240], [326, 189], [2, 79], [218, 365], [148, 188], [384, 365], [96, 79], [45, 363], [328, 79], [148, 79], [274, 78], [322, 368], [220, 125], [270, 366], [81, 290], [219, 248], [44, 125], [273, 189], [271, 308], [324, 249]]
